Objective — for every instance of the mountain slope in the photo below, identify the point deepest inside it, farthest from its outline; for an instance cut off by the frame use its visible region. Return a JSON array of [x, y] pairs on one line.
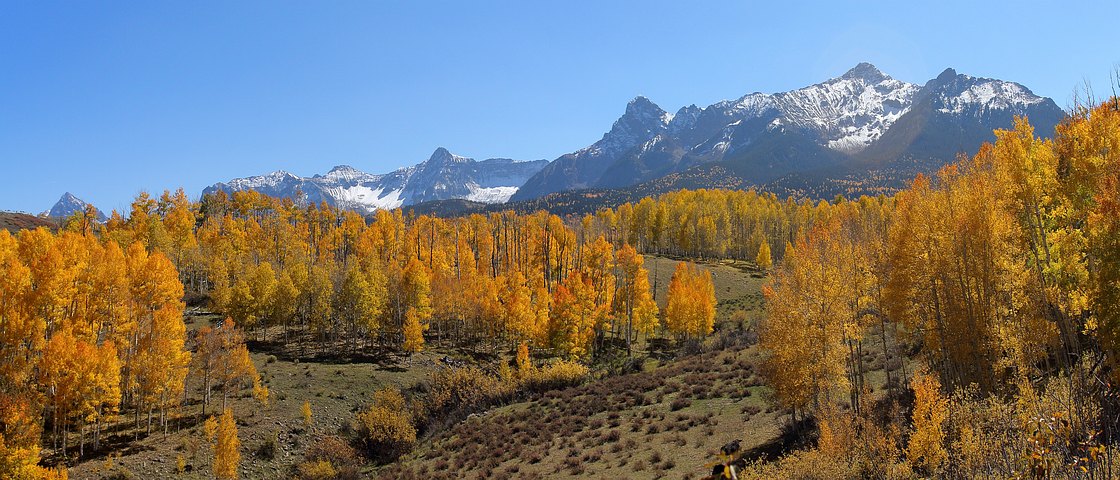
[[13, 222], [443, 176], [641, 122]]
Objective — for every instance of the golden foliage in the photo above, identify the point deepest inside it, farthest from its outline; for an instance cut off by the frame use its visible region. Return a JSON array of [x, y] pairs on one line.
[[926, 450], [227, 454]]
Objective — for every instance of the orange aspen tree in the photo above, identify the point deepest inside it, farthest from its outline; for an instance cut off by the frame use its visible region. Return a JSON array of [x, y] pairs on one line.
[[690, 311]]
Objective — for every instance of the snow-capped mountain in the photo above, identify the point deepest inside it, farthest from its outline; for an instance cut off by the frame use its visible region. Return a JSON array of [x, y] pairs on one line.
[[860, 128], [642, 122], [68, 205], [863, 117], [443, 176]]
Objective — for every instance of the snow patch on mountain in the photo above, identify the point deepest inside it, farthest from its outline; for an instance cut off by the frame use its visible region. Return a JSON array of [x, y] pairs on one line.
[[491, 194], [989, 94], [851, 111], [847, 113], [443, 176]]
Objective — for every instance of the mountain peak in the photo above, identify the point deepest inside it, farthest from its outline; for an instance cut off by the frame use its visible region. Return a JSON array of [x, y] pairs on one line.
[[642, 105], [444, 156], [336, 169], [865, 71], [947, 75], [68, 204]]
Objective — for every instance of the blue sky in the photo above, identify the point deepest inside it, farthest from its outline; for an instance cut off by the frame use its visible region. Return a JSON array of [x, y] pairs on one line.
[[106, 99]]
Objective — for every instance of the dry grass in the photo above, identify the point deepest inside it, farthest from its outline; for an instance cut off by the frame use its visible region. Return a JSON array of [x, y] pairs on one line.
[[616, 427]]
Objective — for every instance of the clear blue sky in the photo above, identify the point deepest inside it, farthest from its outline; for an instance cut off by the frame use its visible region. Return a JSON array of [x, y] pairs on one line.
[[106, 99]]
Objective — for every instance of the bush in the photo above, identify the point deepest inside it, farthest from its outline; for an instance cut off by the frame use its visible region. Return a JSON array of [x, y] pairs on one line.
[[343, 458], [267, 450], [316, 470], [556, 375], [679, 403], [464, 389], [387, 434]]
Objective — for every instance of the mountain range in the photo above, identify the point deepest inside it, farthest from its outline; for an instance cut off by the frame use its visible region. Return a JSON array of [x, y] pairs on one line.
[[442, 176], [861, 127], [863, 132]]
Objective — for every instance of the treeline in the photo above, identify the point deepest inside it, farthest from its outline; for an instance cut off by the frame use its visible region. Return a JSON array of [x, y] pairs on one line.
[[1000, 277], [394, 280]]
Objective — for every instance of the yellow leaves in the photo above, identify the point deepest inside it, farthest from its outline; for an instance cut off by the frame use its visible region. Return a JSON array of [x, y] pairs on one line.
[[260, 392], [523, 363], [221, 358], [926, 450], [815, 309], [416, 283], [634, 301], [19, 437], [82, 381], [413, 331], [210, 428], [360, 299], [385, 427], [305, 413], [227, 455], [317, 470], [161, 360], [517, 307], [691, 307], [574, 315], [763, 260]]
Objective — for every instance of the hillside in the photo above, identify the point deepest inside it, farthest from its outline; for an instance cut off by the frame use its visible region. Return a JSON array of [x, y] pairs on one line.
[[16, 221]]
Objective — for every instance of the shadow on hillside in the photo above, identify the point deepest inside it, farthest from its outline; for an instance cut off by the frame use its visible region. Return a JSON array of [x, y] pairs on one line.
[[122, 439], [793, 437], [330, 354]]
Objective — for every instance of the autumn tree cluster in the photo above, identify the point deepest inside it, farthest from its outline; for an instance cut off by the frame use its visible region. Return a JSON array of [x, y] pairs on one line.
[[398, 281], [1001, 272], [722, 224], [87, 329]]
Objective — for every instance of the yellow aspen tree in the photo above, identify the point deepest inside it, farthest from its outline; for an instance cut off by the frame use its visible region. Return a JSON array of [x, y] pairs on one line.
[[316, 306], [573, 315], [417, 288], [413, 333], [803, 334], [227, 454], [690, 311], [360, 299], [763, 260], [524, 365], [19, 437], [21, 333], [598, 269], [517, 307], [305, 413], [101, 391], [633, 300], [179, 221], [926, 450]]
